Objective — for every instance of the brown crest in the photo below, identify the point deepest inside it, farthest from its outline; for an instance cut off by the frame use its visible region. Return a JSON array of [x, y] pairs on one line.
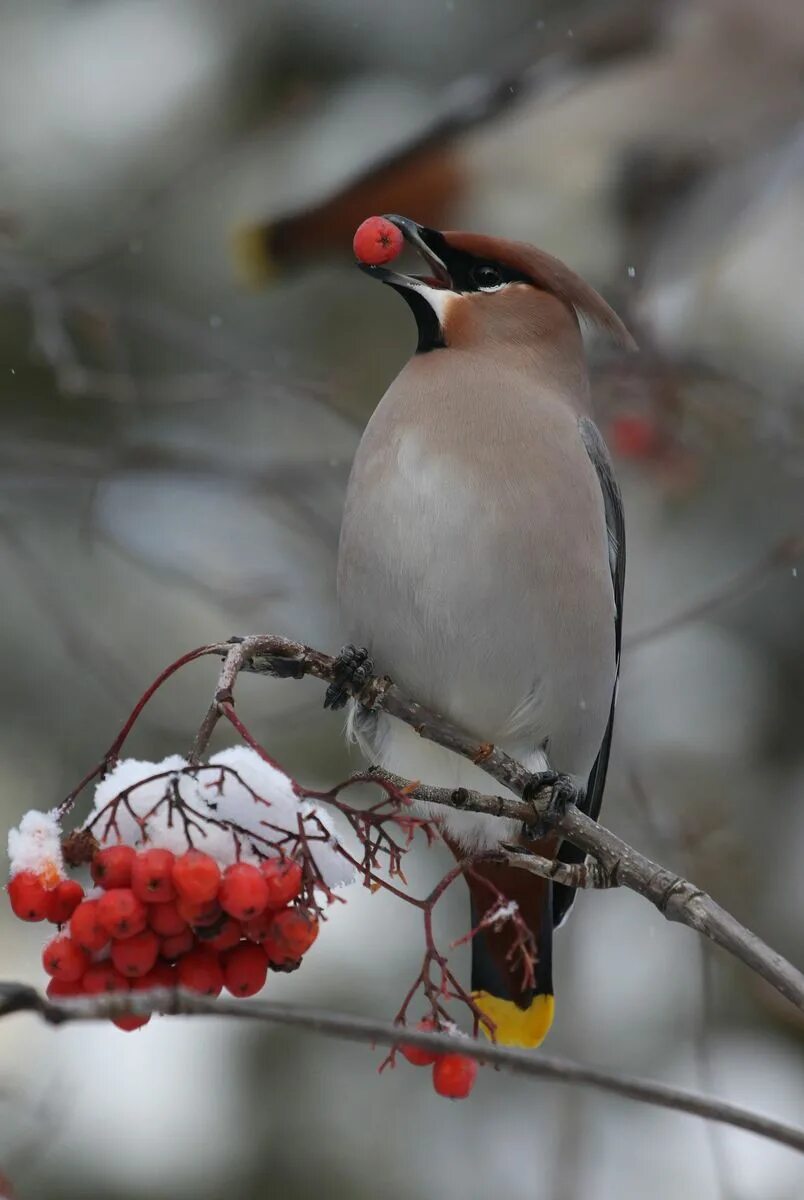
[[549, 274]]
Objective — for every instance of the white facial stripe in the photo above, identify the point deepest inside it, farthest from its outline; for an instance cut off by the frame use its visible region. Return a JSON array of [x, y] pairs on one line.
[[437, 298]]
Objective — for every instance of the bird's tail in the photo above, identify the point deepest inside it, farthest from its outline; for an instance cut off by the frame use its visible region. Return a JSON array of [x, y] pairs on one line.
[[518, 1001]]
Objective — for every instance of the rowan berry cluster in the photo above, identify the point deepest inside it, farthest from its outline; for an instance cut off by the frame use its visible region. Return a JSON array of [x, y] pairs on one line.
[[158, 920], [159, 911], [207, 876]]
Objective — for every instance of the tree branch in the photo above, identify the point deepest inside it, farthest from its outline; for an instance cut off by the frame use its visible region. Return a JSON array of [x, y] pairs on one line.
[[18, 997], [618, 863]]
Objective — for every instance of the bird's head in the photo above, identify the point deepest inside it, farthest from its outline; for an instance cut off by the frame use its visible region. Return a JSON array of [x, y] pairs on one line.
[[477, 290]]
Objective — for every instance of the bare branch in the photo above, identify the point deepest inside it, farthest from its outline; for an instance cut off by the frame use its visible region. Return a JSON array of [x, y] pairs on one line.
[[620, 865], [18, 997]]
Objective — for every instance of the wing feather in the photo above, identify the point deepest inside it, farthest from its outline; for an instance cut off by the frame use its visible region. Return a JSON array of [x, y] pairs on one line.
[[615, 528]]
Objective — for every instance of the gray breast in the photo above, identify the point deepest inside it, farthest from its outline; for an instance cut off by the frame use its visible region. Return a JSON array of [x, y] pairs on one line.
[[474, 565]]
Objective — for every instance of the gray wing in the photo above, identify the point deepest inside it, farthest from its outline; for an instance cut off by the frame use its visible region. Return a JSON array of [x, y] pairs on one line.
[[615, 527], [615, 518]]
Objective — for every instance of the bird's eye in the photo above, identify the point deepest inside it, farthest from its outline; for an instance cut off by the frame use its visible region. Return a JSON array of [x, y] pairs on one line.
[[486, 278]]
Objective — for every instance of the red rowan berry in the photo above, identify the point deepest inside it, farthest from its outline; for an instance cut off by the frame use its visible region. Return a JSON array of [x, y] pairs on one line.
[[63, 900], [120, 913], [200, 971], [152, 876], [225, 938], [284, 879], [454, 1075], [165, 919], [130, 1023], [136, 955], [244, 892], [172, 948], [291, 935], [200, 913], [196, 877], [64, 960], [111, 866], [103, 977], [377, 241], [86, 929], [28, 896], [245, 969], [417, 1054]]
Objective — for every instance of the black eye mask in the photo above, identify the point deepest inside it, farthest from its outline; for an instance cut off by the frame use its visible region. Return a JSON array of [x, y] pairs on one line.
[[470, 274]]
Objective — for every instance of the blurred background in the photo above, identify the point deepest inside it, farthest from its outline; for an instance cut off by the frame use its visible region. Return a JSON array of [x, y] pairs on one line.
[[173, 453]]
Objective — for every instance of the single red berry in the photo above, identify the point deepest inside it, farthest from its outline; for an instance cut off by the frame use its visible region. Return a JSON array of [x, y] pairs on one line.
[[60, 987], [245, 969], [454, 1075], [130, 1023], [86, 929], [199, 913], [172, 948], [224, 938], [284, 879], [244, 892], [152, 876], [292, 933], [196, 877], [200, 971], [111, 866], [417, 1054], [377, 241], [166, 920], [633, 436], [121, 913], [63, 900], [136, 955], [28, 896], [103, 977], [64, 959], [258, 928]]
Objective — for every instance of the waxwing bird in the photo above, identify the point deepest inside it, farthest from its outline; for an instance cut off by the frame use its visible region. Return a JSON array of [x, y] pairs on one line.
[[482, 559]]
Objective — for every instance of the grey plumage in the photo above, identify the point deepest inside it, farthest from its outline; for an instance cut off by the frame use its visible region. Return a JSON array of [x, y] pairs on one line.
[[482, 563], [475, 559]]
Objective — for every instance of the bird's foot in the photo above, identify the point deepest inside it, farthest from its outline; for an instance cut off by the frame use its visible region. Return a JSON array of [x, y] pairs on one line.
[[563, 793], [353, 667]]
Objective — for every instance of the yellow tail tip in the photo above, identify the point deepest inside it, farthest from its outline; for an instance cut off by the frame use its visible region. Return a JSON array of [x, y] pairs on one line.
[[253, 264], [515, 1026]]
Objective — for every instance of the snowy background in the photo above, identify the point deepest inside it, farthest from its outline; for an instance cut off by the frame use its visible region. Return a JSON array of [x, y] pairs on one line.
[[173, 453]]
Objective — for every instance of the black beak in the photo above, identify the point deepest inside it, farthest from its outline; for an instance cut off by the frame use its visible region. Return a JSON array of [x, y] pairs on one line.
[[418, 237]]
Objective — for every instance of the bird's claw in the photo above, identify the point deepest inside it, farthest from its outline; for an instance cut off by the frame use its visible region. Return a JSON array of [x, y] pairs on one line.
[[563, 793], [353, 668]]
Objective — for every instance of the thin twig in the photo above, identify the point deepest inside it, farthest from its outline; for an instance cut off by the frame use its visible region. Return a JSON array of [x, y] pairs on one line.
[[622, 866], [16, 997]]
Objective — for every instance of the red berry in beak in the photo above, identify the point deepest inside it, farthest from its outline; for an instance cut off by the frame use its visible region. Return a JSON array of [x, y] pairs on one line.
[[377, 241]]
